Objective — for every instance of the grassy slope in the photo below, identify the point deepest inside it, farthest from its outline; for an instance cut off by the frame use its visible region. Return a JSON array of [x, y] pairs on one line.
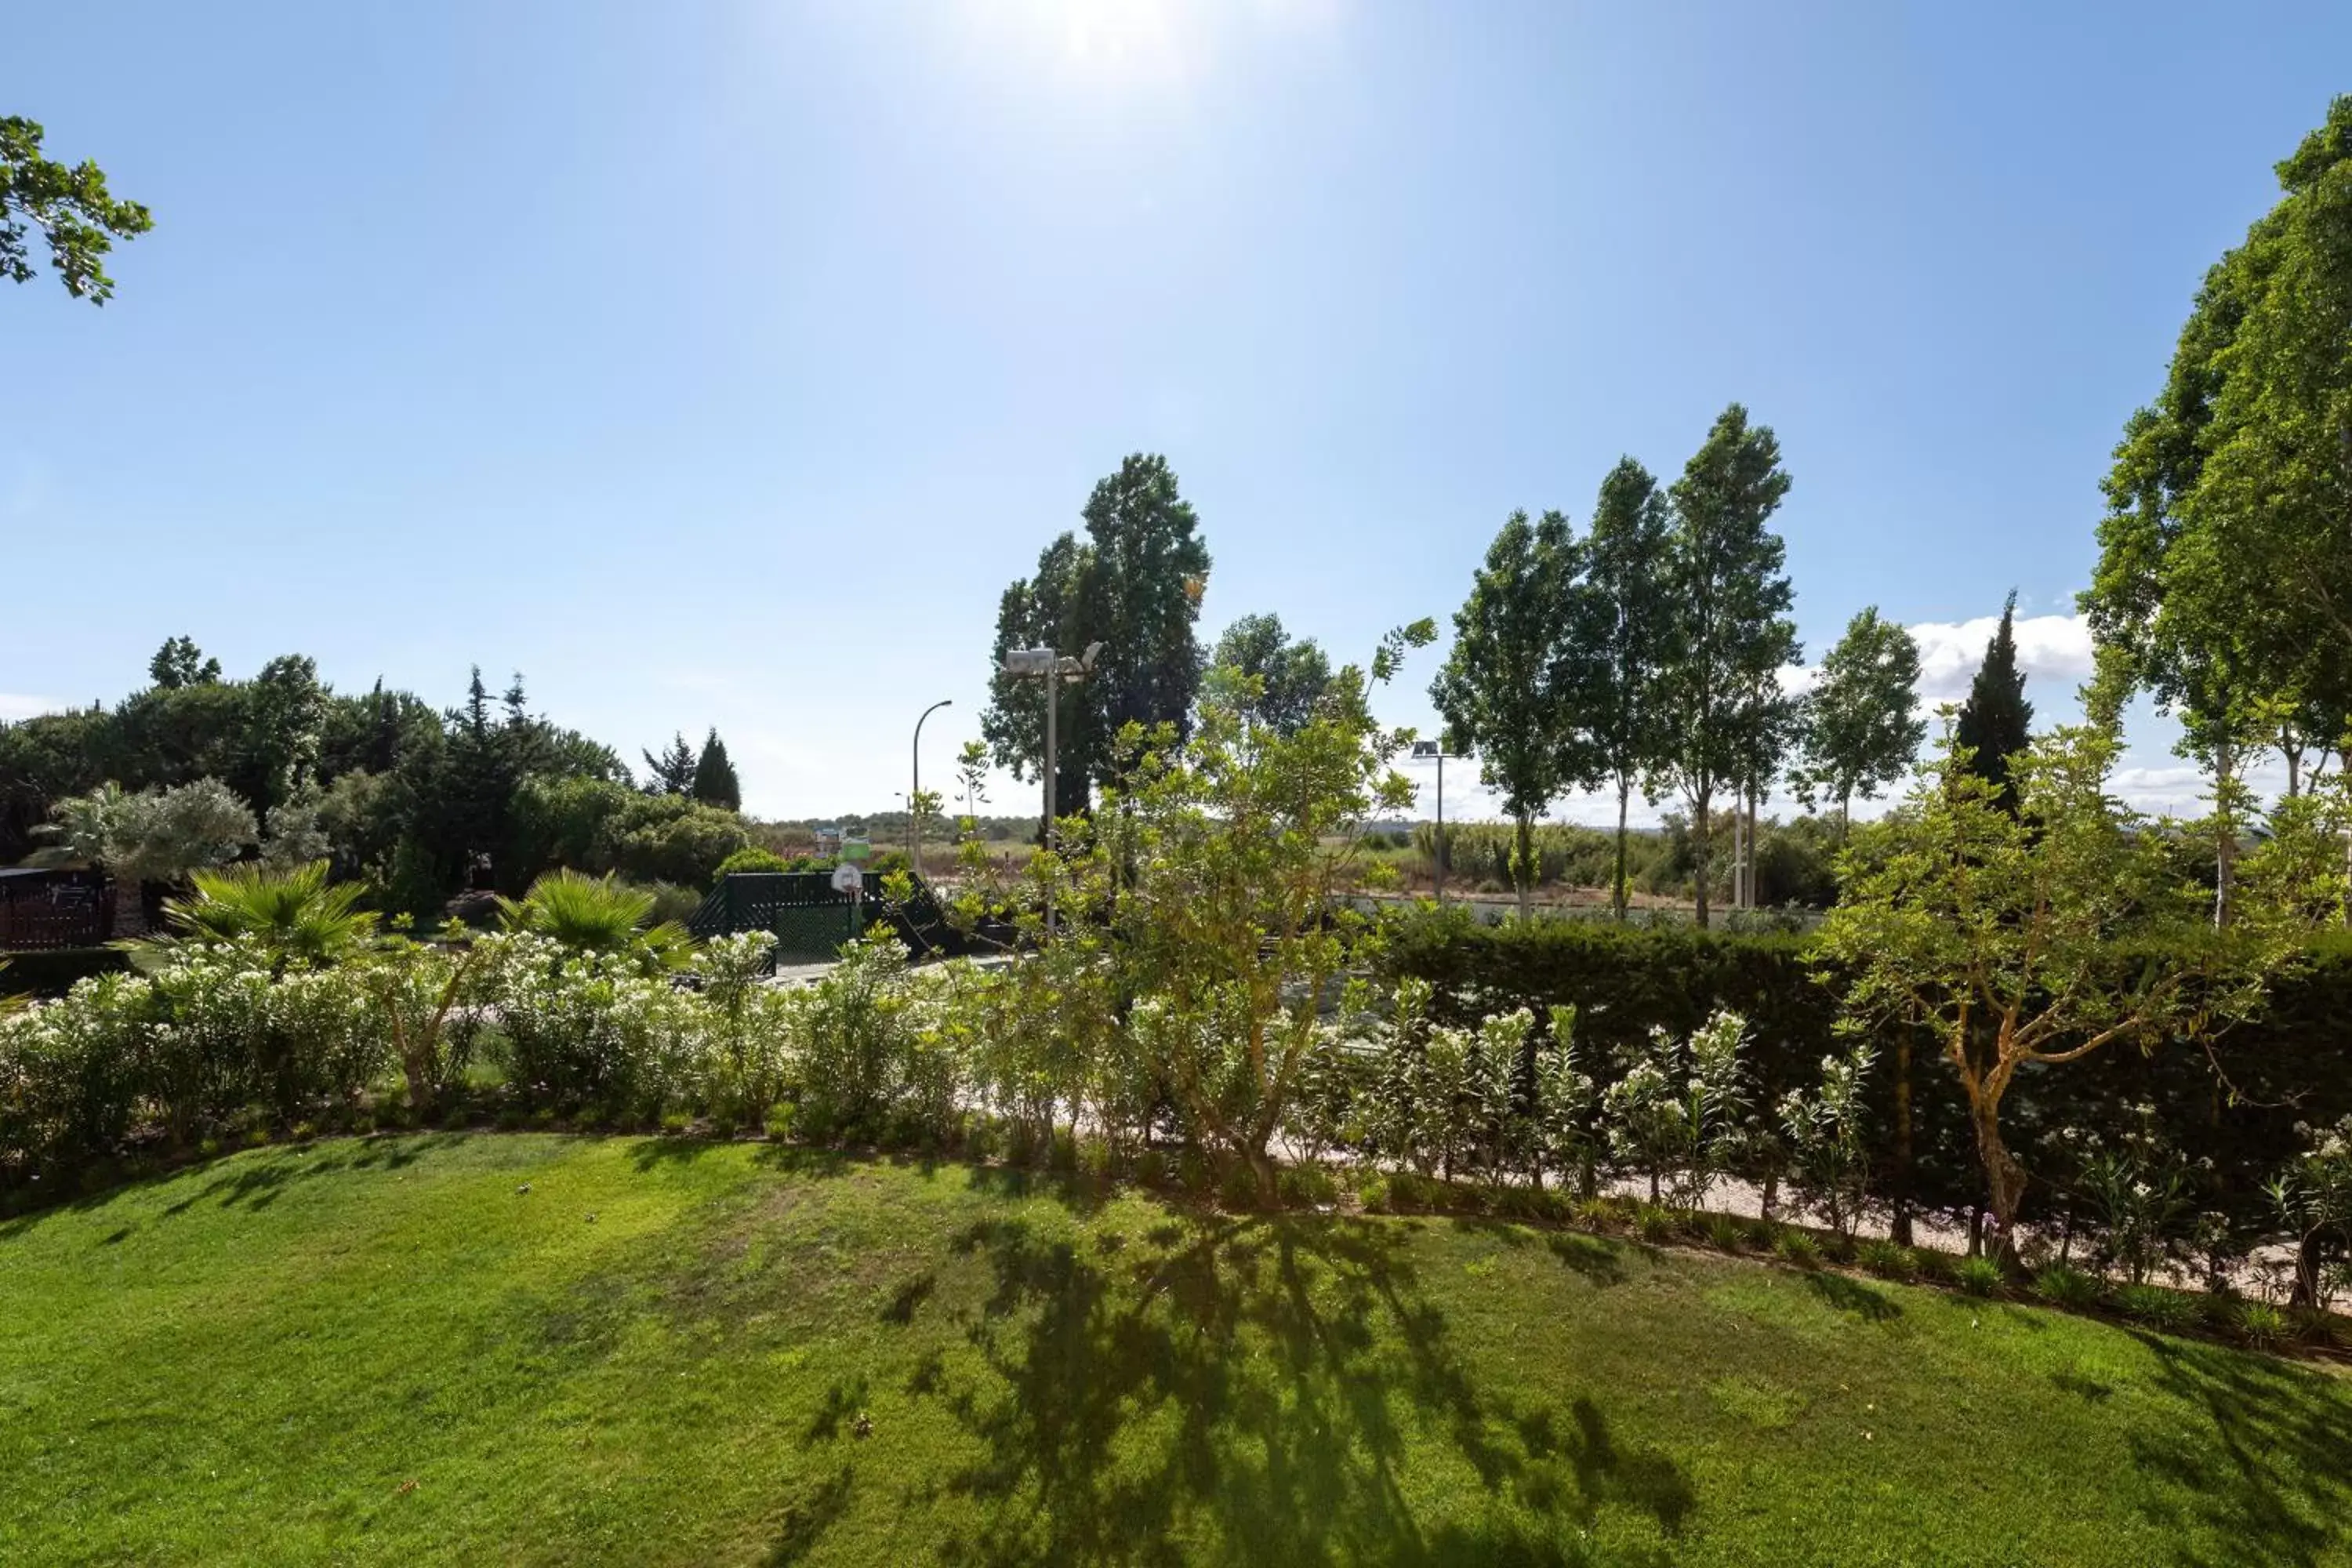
[[251, 1361]]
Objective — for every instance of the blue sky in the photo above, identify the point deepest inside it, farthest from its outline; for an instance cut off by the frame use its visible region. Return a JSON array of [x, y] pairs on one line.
[[718, 363]]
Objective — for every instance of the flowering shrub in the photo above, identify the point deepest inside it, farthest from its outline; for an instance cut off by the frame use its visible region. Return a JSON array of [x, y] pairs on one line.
[[1828, 1149], [1676, 1113]]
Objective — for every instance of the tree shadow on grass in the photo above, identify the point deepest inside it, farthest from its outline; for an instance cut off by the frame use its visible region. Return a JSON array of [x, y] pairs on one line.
[[1262, 1390], [1852, 1296], [257, 1177], [2267, 1473]]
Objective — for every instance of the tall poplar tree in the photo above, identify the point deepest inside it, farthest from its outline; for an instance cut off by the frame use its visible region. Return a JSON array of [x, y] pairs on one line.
[[1517, 688], [1729, 602], [1628, 630]]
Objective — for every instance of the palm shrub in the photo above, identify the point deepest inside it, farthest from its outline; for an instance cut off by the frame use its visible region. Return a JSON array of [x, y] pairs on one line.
[[293, 914], [1828, 1139], [597, 915], [1887, 1259], [1676, 1113]]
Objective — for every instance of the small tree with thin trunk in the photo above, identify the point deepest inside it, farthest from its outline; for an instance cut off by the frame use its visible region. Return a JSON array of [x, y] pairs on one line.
[[1859, 729], [2034, 939]]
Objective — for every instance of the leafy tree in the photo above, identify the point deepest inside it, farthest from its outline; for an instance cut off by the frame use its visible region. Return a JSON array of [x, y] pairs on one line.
[[79, 218], [1181, 942], [1133, 584], [1860, 729], [672, 773], [157, 836], [1720, 709], [1294, 674], [2033, 936], [180, 662], [1996, 722], [1517, 688], [714, 776], [1627, 628]]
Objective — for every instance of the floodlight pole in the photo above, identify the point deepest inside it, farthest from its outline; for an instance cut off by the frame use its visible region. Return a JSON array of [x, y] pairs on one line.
[[1435, 751], [914, 817]]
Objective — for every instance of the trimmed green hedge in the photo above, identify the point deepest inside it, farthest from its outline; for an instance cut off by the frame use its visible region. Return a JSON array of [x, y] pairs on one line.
[[52, 973], [2294, 1065]]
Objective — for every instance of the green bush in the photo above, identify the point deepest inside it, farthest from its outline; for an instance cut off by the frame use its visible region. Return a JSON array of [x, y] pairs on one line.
[[1798, 1246], [2263, 1325], [2157, 1307], [2062, 1286], [1726, 1232], [751, 858], [2287, 1066], [1887, 1259], [1978, 1276]]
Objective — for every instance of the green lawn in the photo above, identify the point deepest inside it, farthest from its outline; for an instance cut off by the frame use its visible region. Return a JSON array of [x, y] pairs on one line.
[[385, 1351]]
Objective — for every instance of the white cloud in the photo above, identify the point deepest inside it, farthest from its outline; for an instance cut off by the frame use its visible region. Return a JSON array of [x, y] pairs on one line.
[[2053, 651], [14, 707]]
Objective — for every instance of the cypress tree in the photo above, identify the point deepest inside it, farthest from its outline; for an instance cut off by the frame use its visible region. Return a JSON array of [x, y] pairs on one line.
[[1996, 720], [714, 776]]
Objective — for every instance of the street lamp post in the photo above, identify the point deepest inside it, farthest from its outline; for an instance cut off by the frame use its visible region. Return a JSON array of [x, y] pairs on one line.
[[914, 815], [1434, 750], [1057, 671]]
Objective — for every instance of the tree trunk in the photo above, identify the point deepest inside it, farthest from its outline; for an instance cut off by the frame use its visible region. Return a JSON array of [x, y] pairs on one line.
[[2225, 845], [1624, 789], [2004, 1177], [1526, 869], [1701, 835], [1901, 1227]]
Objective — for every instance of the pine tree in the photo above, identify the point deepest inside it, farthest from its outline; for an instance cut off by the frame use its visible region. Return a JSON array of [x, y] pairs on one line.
[[1995, 721], [672, 773], [715, 783]]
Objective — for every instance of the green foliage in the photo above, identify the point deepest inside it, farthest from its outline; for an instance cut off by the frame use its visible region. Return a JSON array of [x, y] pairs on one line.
[[1887, 1259], [297, 916], [752, 858], [1996, 722], [2263, 1324], [2071, 1289], [180, 662], [1677, 1114], [1724, 720], [1514, 689], [2221, 583], [714, 781], [1995, 931], [1290, 676], [671, 773], [1858, 731], [1827, 1138], [596, 915], [78, 217], [1627, 629], [1134, 584], [2155, 1306], [1978, 1276], [2313, 1199], [159, 835]]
